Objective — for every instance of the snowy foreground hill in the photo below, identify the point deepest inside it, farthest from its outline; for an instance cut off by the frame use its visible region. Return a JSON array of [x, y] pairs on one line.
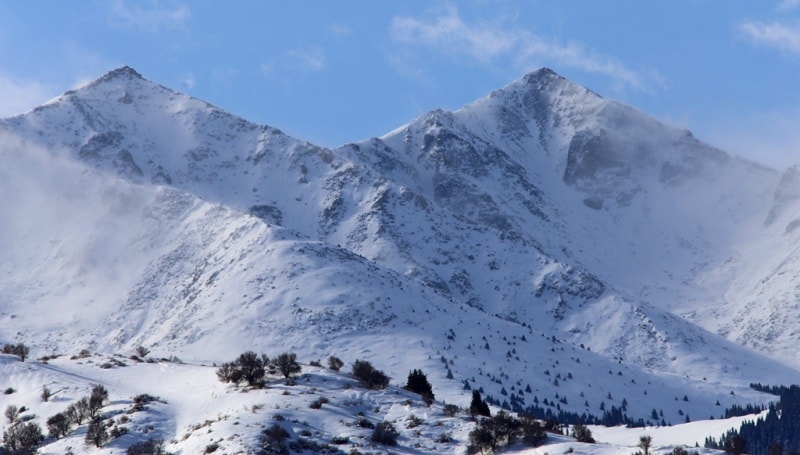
[[556, 250]]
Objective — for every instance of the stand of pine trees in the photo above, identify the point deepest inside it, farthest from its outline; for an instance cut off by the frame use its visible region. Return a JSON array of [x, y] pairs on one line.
[[777, 433]]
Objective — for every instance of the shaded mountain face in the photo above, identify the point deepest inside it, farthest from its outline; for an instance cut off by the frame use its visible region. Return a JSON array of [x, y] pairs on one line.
[[539, 225]]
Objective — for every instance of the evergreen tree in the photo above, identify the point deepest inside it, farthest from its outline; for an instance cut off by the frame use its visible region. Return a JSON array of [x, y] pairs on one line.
[[418, 383], [478, 407]]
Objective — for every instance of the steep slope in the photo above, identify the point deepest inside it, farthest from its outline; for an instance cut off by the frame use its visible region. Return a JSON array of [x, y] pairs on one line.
[[137, 215], [643, 207]]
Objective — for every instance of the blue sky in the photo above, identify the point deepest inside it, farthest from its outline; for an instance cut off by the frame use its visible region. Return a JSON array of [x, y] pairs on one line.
[[334, 72]]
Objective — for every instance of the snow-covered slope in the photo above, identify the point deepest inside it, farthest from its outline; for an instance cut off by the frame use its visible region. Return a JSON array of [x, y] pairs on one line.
[[540, 243]]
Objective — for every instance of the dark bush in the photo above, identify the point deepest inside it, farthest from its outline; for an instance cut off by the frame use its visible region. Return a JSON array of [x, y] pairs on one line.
[[369, 376], [19, 350], [450, 410], [363, 422], [582, 433], [96, 433], [149, 447], [335, 363], [97, 400], [273, 440], [385, 433], [286, 364], [23, 438], [58, 425]]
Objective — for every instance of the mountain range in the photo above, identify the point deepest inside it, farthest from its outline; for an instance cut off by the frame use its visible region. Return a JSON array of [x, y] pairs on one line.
[[541, 242]]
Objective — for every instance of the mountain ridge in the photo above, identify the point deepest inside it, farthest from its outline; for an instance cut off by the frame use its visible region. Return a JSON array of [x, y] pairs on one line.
[[513, 216]]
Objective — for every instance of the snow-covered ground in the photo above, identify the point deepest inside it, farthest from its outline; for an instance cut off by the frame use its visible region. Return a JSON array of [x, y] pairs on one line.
[[192, 411]]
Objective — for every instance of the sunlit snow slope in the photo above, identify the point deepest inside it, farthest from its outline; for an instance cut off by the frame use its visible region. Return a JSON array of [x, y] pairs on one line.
[[542, 236]]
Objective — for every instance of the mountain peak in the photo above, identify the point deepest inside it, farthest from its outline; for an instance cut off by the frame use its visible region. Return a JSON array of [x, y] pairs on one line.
[[125, 72]]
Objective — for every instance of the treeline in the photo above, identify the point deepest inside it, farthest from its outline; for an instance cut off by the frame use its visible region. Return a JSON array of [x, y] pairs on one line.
[[611, 417], [775, 434]]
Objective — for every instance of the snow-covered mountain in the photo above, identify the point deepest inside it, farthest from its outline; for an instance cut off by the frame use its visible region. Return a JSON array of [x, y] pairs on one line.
[[540, 243]]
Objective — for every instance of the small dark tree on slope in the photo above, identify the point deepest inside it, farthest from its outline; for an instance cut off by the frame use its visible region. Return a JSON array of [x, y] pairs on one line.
[[142, 351], [645, 442], [385, 433], [582, 433], [12, 413], [335, 363], [369, 376], [149, 447], [252, 367], [478, 407], [58, 425], [286, 364], [23, 438], [492, 433], [97, 399], [19, 350], [96, 433], [418, 383]]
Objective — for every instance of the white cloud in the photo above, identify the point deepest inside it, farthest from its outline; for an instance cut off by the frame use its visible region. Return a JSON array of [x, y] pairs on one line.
[[787, 5], [20, 96], [774, 34], [189, 81], [149, 16], [767, 137], [484, 43], [307, 60], [340, 30]]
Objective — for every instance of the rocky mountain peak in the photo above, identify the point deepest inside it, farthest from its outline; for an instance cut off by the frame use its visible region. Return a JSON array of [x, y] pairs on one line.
[[123, 72]]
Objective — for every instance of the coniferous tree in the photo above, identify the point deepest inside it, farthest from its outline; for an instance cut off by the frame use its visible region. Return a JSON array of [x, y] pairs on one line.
[[477, 406], [418, 383]]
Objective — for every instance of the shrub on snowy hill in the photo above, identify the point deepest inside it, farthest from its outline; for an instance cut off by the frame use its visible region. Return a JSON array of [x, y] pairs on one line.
[[149, 447], [582, 433], [19, 350], [96, 433], [335, 363], [493, 433], [22, 438], [369, 376], [286, 364], [253, 368]]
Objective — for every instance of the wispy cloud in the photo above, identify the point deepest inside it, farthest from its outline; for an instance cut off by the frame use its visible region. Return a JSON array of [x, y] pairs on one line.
[[773, 34], [340, 29], [787, 5], [445, 32], [189, 81], [21, 95], [312, 59], [294, 63], [150, 16], [768, 137]]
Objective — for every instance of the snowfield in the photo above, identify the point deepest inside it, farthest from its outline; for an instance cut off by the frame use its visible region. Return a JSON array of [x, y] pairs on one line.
[[191, 411]]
